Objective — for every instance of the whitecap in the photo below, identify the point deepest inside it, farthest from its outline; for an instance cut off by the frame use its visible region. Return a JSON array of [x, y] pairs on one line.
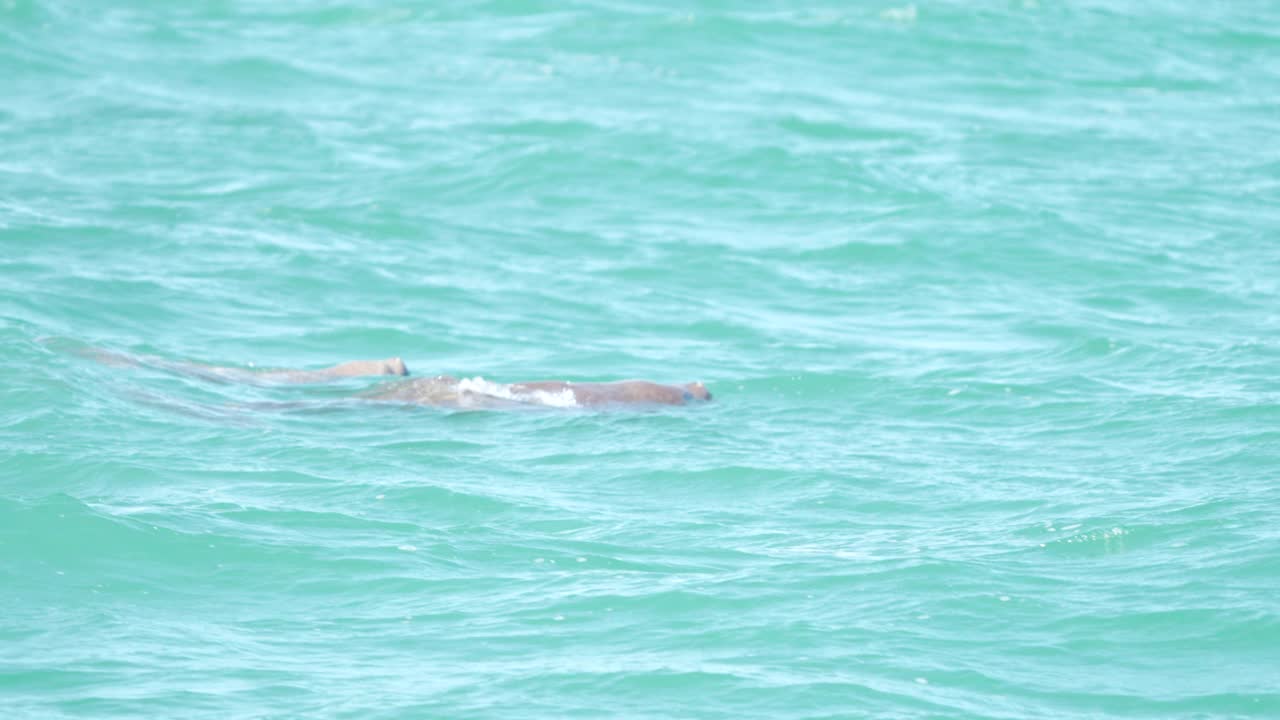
[[480, 386]]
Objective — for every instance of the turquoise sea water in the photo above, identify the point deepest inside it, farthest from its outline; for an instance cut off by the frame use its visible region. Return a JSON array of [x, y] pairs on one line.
[[988, 295]]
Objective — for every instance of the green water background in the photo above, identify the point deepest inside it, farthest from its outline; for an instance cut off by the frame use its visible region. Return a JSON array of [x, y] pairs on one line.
[[986, 293]]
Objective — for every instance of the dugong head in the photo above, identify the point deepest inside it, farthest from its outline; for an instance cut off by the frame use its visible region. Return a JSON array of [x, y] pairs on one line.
[[696, 391]]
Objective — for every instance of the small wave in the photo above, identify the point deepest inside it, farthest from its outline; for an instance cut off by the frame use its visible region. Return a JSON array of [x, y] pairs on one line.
[[478, 385]]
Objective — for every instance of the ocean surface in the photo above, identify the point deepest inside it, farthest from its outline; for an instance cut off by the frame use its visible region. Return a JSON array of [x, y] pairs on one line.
[[987, 293]]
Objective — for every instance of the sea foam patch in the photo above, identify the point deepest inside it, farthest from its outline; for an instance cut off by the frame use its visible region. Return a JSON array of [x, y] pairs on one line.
[[563, 398]]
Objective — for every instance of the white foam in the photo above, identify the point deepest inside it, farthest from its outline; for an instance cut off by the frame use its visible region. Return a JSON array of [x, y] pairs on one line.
[[905, 14], [480, 386]]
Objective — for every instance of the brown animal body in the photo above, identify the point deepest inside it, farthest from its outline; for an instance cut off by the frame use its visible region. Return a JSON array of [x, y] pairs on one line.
[[442, 390], [448, 391]]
